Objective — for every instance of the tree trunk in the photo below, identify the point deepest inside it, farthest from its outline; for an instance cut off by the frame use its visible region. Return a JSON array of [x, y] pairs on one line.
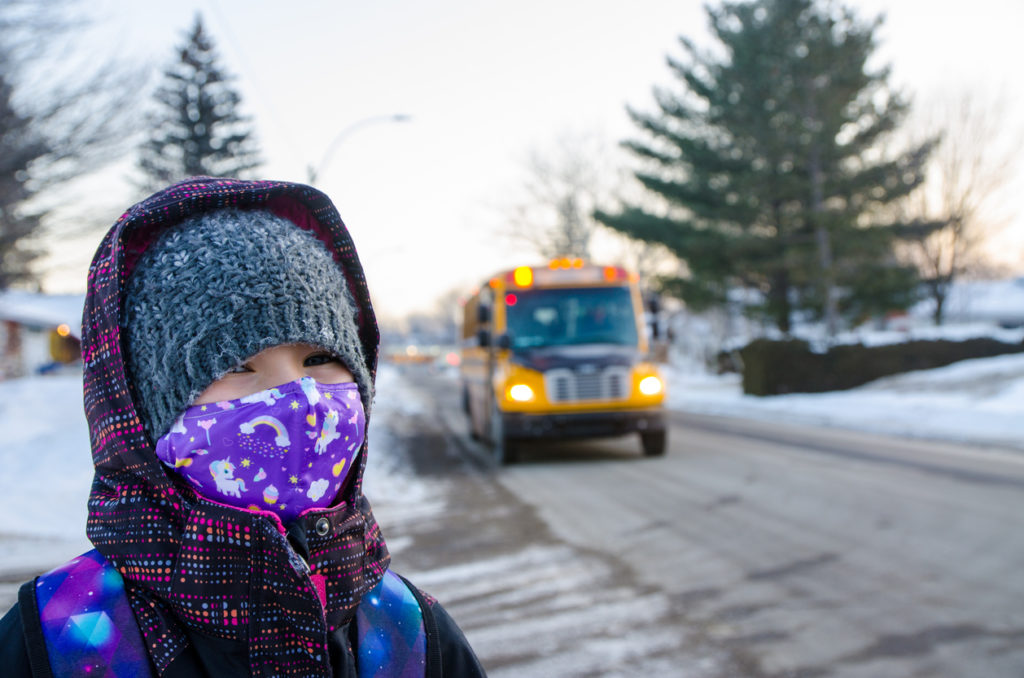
[[828, 287], [780, 303], [940, 290]]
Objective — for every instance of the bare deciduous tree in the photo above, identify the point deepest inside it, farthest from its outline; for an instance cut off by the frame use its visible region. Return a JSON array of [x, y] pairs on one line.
[[966, 176], [60, 118], [553, 214]]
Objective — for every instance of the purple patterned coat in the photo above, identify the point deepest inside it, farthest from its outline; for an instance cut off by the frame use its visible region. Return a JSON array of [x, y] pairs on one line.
[[189, 561]]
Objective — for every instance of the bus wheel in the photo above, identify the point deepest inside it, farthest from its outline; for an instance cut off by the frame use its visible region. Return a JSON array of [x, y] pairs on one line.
[[654, 443], [504, 451], [502, 448]]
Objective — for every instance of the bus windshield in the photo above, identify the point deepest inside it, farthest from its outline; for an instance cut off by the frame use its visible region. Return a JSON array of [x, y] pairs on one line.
[[560, 317]]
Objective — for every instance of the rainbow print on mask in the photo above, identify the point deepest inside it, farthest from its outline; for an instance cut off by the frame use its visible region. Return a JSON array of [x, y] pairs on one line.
[[282, 439]]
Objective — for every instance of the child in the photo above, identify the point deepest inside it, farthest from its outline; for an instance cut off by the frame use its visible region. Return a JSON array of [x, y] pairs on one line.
[[229, 352]]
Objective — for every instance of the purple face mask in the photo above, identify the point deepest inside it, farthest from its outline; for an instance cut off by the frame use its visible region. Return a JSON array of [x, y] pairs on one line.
[[287, 449]]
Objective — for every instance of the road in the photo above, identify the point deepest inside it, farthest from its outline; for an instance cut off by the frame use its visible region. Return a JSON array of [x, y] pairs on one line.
[[751, 549]]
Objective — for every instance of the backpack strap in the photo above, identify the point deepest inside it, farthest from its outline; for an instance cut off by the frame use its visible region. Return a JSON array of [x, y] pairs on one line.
[[90, 631], [87, 624], [392, 631]]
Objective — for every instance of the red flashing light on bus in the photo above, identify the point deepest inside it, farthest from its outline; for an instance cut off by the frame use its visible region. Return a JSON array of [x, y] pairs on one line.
[[511, 299]]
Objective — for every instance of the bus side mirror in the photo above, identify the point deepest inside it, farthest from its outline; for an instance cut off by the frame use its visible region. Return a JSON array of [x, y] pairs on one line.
[[483, 314], [483, 338], [654, 307]]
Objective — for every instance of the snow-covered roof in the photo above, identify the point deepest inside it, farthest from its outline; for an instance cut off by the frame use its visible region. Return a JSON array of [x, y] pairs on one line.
[[43, 310]]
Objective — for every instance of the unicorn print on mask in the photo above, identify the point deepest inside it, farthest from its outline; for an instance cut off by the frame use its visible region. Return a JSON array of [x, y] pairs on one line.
[[267, 397], [308, 385], [286, 449], [329, 433], [223, 472]]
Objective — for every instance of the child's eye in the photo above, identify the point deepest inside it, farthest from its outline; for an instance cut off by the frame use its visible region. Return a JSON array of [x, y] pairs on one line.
[[239, 369], [319, 359]]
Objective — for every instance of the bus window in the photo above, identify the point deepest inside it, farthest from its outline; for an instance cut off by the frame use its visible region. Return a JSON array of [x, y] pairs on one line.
[[568, 316]]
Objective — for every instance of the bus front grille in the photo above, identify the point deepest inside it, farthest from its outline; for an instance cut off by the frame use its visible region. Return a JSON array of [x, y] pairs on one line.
[[587, 383]]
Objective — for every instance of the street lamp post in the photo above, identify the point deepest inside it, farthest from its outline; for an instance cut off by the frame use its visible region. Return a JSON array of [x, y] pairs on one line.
[[314, 171]]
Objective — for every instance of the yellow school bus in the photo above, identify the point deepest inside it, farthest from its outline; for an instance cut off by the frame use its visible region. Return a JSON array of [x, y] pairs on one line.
[[559, 351]]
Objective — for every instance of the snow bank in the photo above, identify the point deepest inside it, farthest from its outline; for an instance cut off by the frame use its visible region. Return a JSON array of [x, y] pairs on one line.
[[47, 461], [46, 457], [974, 401]]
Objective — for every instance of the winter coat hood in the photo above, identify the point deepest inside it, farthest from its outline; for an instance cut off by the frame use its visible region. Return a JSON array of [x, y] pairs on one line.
[[188, 561]]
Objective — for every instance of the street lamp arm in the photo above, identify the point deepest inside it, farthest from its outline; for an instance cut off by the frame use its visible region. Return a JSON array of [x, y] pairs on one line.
[[315, 171]]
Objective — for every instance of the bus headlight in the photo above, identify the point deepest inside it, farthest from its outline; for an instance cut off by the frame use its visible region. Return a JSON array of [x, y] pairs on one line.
[[521, 393], [650, 386]]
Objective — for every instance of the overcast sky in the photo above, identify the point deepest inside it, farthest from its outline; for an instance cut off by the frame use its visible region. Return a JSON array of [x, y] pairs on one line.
[[484, 84]]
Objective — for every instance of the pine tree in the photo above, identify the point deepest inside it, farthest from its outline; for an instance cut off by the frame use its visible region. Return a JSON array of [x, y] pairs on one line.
[[768, 168], [196, 128]]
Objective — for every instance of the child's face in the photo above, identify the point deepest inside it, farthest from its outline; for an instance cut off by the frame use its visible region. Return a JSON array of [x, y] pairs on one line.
[[273, 367]]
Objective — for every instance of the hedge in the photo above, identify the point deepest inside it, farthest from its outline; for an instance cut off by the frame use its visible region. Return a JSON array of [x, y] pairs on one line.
[[777, 367]]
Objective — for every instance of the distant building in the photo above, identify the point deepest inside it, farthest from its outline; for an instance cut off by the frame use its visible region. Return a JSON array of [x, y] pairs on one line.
[[39, 332]]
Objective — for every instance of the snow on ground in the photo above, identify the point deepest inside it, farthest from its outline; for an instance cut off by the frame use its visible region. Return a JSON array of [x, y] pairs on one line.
[[47, 465], [396, 494], [47, 472], [974, 401], [958, 332]]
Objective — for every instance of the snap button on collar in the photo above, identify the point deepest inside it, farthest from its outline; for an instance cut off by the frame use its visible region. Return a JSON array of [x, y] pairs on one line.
[[323, 527]]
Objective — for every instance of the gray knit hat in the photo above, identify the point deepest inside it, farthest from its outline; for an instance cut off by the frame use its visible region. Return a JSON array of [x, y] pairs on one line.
[[217, 289]]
